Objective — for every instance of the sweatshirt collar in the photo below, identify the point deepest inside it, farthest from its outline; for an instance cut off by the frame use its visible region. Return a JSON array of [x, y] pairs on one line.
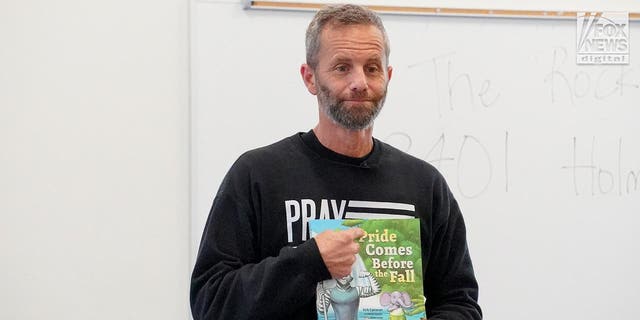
[[311, 141]]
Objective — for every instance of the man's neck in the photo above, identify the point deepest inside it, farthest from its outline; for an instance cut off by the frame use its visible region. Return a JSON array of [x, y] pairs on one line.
[[351, 143]]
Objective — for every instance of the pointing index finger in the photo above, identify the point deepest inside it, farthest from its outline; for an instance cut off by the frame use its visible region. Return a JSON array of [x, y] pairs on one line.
[[357, 233]]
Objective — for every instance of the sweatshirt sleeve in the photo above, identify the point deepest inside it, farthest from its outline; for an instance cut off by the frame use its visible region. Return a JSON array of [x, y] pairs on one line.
[[231, 280], [451, 286]]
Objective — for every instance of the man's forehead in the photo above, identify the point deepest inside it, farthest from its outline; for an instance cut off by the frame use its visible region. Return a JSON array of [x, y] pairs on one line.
[[347, 30], [358, 34]]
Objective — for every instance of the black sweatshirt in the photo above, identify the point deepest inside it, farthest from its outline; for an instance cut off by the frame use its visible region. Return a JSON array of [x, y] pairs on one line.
[[256, 260]]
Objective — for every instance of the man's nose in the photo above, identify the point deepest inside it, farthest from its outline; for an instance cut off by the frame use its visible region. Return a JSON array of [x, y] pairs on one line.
[[358, 80]]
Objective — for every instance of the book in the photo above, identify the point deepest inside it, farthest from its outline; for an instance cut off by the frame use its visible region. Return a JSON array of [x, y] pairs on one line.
[[385, 281]]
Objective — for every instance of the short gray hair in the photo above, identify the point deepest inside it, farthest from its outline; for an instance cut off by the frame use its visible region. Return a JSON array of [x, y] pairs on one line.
[[346, 14]]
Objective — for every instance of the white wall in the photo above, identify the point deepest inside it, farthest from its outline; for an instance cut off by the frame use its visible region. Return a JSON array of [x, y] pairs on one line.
[[94, 159]]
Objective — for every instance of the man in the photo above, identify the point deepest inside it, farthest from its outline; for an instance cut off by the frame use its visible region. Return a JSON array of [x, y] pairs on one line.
[[256, 260]]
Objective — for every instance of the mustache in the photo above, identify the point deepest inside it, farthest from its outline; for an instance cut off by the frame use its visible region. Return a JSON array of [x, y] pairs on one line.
[[359, 95]]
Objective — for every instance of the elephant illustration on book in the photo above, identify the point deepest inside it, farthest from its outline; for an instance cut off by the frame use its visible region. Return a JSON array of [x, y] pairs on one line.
[[397, 303]]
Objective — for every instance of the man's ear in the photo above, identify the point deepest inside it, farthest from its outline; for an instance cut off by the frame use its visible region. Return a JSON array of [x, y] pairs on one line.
[[309, 78], [389, 72]]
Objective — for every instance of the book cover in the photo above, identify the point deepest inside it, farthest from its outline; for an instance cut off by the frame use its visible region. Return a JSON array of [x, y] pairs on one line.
[[385, 281]]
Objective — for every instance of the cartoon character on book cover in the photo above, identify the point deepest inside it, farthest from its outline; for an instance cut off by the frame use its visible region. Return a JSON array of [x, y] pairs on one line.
[[343, 294], [386, 279]]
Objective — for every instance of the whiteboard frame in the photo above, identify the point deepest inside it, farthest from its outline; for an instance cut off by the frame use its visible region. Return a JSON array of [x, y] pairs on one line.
[[429, 11]]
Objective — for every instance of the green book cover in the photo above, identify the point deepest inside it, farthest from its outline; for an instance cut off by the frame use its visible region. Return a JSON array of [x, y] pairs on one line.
[[386, 280]]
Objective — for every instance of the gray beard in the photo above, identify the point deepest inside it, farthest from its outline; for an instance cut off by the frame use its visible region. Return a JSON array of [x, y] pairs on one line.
[[358, 117]]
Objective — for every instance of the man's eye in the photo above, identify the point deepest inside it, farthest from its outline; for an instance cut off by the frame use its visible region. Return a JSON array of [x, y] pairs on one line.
[[373, 69], [342, 68]]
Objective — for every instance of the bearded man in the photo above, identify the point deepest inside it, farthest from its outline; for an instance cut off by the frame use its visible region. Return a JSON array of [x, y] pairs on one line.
[[256, 260]]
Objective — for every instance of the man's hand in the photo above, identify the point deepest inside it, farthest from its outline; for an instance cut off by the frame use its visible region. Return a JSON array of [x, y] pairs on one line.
[[338, 250]]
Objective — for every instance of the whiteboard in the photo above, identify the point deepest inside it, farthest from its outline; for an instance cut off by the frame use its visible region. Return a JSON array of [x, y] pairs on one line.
[[543, 155]]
